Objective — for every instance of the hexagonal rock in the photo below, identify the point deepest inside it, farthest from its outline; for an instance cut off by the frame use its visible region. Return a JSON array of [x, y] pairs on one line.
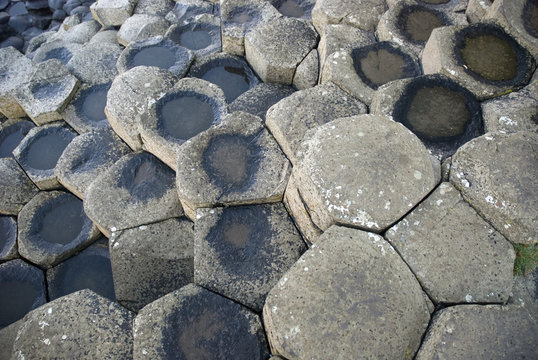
[[201, 36], [141, 27], [356, 285], [481, 332], [86, 157], [52, 227], [79, 325], [80, 33], [307, 72], [236, 162], [95, 63], [356, 171], [242, 251], [476, 9], [290, 119], [362, 14], [260, 98], [39, 151], [138, 189], [153, 7], [47, 92], [151, 261], [196, 323], [11, 134], [87, 109], [23, 289], [496, 173], [455, 254], [8, 238], [238, 17], [16, 189], [15, 70], [443, 114], [56, 49], [481, 57], [275, 48], [130, 96], [409, 24], [112, 12], [362, 70]]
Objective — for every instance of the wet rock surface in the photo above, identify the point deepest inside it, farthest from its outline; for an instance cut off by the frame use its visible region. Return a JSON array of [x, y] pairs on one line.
[[16, 189], [8, 238]]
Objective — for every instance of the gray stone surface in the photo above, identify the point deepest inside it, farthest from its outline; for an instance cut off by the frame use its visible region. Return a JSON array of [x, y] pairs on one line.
[[476, 9], [112, 12], [129, 97], [151, 261], [260, 98], [8, 238], [138, 189], [79, 325], [481, 332], [189, 35], [480, 170], [357, 171], [242, 251], [86, 157], [525, 291], [7, 337], [95, 63], [80, 33], [301, 9], [275, 48], [290, 119], [454, 253], [189, 10], [307, 72], [153, 7], [141, 27], [196, 323], [15, 70], [16, 189], [105, 36], [362, 14], [85, 112], [56, 49], [349, 294], [236, 162]]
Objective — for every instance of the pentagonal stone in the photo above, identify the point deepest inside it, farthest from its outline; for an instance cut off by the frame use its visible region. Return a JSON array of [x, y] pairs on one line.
[[140, 27], [388, 157], [242, 251], [375, 306], [233, 163], [201, 36], [56, 49], [276, 48], [362, 70], [362, 14], [16, 189], [238, 18], [138, 189], [496, 173], [196, 323], [23, 289], [87, 109], [151, 261], [190, 107], [301, 9], [79, 325], [307, 72], [39, 151], [443, 114], [11, 133], [129, 97], [8, 238], [48, 91], [112, 12], [189, 10], [231, 73], [410, 24], [476, 9], [52, 227], [455, 254], [95, 63], [481, 57], [153, 7], [105, 36], [260, 98], [481, 332], [86, 157], [15, 70], [290, 119]]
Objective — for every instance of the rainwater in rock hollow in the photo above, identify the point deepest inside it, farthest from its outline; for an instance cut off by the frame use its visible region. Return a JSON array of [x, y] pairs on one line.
[[417, 23], [93, 103], [62, 54], [290, 8], [530, 17], [11, 136], [232, 80], [185, 116], [158, 56], [195, 39], [44, 152], [242, 15], [63, 221]]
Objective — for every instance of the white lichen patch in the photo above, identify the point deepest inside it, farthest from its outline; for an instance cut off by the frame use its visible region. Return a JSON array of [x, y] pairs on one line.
[[468, 298], [417, 174], [505, 120]]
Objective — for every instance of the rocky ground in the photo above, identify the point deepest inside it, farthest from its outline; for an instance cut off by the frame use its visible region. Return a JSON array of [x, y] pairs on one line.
[[254, 179]]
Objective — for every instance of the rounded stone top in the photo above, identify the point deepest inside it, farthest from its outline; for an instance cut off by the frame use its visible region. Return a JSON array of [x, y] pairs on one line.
[[201, 36]]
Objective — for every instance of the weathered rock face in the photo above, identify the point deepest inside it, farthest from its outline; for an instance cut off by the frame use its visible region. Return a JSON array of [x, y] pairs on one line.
[[8, 238], [15, 69], [112, 12], [86, 111], [479, 170], [194, 322], [362, 14], [140, 27], [95, 63], [16, 189], [260, 98], [201, 36], [348, 271], [11, 134]]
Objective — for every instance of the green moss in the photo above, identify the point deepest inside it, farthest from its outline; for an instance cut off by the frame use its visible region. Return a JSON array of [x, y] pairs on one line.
[[526, 259]]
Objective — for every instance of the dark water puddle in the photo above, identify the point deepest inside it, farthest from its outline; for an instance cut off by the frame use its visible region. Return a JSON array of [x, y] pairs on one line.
[[11, 136], [233, 80], [195, 39], [290, 8], [61, 53], [8, 232], [530, 17], [43, 153], [243, 15], [91, 102], [435, 2], [417, 22], [46, 90], [62, 220], [158, 56]]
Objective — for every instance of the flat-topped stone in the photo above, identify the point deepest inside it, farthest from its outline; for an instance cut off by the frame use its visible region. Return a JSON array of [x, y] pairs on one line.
[[201, 36], [79, 325], [16, 189], [15, 70], [80, 33], [151, 261], [374, 307], [233, 163], [52, 227], [86, 111], [290, 119], [8, 238], [105, 35], [153, 7], [112, 12], [138, 189], [95, 63], [301, 9], [194, 322], [362, 14], [141, 27], [275, 48], [260, 98], [242, 251], [480, 169], [56, 49], [86, 157], [11, 134]]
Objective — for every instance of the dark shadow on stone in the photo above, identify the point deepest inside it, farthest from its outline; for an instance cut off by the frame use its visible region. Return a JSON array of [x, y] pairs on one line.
[[62, 54], [530, 17], [11, 136], [434, 2], [46, 148], [260, 98], [417, 22], [8, 235], [45, 90]]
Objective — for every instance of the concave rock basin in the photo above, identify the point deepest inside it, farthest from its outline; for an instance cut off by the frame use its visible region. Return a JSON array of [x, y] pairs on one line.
[[159, 56], [11, 136], [91, 104], [417, 22]]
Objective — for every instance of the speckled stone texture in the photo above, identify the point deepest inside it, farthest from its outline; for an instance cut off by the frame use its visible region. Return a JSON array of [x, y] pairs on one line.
[[16, 189]]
